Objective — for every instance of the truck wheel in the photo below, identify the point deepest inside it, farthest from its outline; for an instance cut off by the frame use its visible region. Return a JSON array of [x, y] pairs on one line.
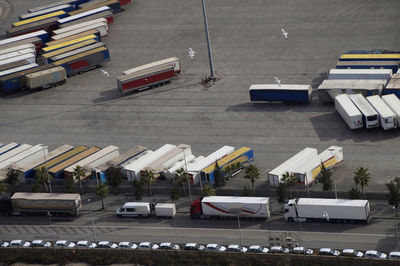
[[290, 219]]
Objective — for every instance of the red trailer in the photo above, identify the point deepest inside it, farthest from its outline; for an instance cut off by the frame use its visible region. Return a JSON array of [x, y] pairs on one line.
[[145, 78]]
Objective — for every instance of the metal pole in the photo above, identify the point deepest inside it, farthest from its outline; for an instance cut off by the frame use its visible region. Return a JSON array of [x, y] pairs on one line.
[[308, 187], [176, 230], [301, 233], [240, 230], [187, 177], [335, 185], [47, 170], [93, 227], [212, 73], [201, 183], [395, 219]]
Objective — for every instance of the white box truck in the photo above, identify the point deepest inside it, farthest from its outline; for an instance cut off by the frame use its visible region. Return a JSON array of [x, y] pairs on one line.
[[167, 210], [348, 111], [230, 206], [394, 103], [386, 117], [330, 210], [146, 209]]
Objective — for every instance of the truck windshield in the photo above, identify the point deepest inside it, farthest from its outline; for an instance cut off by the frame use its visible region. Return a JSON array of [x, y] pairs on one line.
[[372, 118]]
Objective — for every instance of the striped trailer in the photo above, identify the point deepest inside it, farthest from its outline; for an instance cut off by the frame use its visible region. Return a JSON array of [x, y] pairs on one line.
[[77, 51], [113, 4], [121, 2], [17, 53], [108, 15], [30, 57], [43, 35], [8, 147], [46, 78], [172, 61], [17, 48], [79, 25], [393, 65], [45, 24], [68, 43], [100, 27], [74, 3], [59, 14], [14, 65], [37, 42], [76, 36], [147, 78], [84, 61], [14, 152], [45, 58], [16, 81], [65, 8], [84, 14], [369, 57], [17, 69]]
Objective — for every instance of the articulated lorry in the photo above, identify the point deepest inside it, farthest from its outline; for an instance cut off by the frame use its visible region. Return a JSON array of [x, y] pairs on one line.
[[330, 210], [230, 206]]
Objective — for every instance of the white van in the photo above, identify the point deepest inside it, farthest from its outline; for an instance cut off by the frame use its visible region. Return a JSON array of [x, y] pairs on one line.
[[135, 209]]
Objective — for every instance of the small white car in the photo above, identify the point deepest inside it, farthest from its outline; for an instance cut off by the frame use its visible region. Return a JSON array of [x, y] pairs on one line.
[[237, 248], [215, 248], [194, 246], [257, 249], [85, 244], [106, 244], [4, 244], [169, 246], [329, 252], [394, 255], [64, 244], [19, 243], [349, 252], [374, 254], [278, 249], [41, 244], [148, 245], [129, 245], [302, 250]]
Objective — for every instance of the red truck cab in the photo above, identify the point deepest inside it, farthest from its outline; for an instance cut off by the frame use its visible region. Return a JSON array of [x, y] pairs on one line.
[[195, 209]]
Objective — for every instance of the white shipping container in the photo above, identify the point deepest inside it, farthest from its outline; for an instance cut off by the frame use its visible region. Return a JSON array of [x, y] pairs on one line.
[[394, 104], [77, 51], [83, 14], [14, 152], [360, 74], [172, 61], [37, 151], [101, 27], [31, 58], [131, 168], [386, 116], [165, 210], [348, 111], [44, 11], [169, 158], [8, 147], [80, 25], [18, 48], [169, 174], [22, 37], [46, 77], [17, 69]]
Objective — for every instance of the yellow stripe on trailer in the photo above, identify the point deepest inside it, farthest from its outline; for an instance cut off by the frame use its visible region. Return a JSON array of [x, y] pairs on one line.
[[370, 56], [74, 41], [226, 159], [69, 48], [62, 157], [74, 57], [26, 21]]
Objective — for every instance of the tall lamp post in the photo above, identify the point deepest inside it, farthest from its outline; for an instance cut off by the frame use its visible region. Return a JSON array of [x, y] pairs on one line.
[[236, 209], [395, 218], [47, 170], [187, 177], [210, 59]]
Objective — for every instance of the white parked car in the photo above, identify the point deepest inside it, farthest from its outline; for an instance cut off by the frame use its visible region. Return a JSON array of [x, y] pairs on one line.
[[349, 252], [169, 246], [374, 254], [41, 244], [85, 244], [278, 249], [394, 255], [194, 246], [148, 245], [257, 249], [65, 244], [237, 248], [4, 244], [106, 244], [215, 248], [329, 252], [302, 250], [19, 243], [127, 245]]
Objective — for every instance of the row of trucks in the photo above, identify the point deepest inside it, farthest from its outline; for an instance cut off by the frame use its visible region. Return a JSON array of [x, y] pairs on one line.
[[300, 210]]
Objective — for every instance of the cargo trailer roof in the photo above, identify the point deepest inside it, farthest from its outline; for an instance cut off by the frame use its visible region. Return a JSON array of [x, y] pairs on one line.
[[38, 24], [360, 71], [15, 151], [69, 48], [393, 102], [380, 106], [368, 63], [79, 25], [362, 104], [8, 147], [140, 162], [35, 9], [370, 56], [78, 51], [17, 69], [285, 166], [210, 159], [280, 87], [44, 11], [22, 37], [233, 199], [125, 157], [17, 48], [45, 196], [136, 204], [144, 72], [83, 14], [103, 14], [88, 8], [91, 33], [331, 202], [227, 158], [348, 105], [21, 155], [151, 65], [35, 19], [157, 164], [363, 84]]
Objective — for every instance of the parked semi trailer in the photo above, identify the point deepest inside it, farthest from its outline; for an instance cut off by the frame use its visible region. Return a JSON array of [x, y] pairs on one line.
[[331, 210], [394, 104], [387, 118], [282, 93], [360, 74], [348, 111], [22, 203], [370, 116], [230, 206], [46, 78]]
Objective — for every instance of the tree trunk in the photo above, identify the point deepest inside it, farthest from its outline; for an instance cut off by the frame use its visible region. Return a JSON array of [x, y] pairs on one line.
[[149, 189], [45, 186], [80, 185], [102, 203], [183, 188], [252, 185]]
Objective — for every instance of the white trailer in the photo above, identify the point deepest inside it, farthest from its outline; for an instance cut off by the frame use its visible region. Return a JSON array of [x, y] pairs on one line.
[[123, 159], [132, 171], [360, 74], [17, 69], [172, 61], [331, 210], [387, 118], [167, 210], [370, 116], [17, 53], [275, 176], [80, 25], [394, 104], [14, 152], [8, 147], [30, 57], [195, 169], [26, 156], [169, 174], [348, 111], [100, 26], [231, 206], [18, 48]]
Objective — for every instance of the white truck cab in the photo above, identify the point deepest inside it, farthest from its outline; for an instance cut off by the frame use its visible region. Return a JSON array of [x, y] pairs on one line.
[[290, 212]]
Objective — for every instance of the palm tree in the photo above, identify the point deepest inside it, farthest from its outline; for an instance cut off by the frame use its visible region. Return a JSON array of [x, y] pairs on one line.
[[42, 176], [208, 191], [102, 191], [181, 178], [78, 173], [325, 178], [252, 173], [3, 188], [362, 178], [149, 180], [289, 180]]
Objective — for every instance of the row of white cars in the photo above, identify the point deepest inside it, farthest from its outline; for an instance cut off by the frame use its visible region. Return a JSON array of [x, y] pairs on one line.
[[198, 247]]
